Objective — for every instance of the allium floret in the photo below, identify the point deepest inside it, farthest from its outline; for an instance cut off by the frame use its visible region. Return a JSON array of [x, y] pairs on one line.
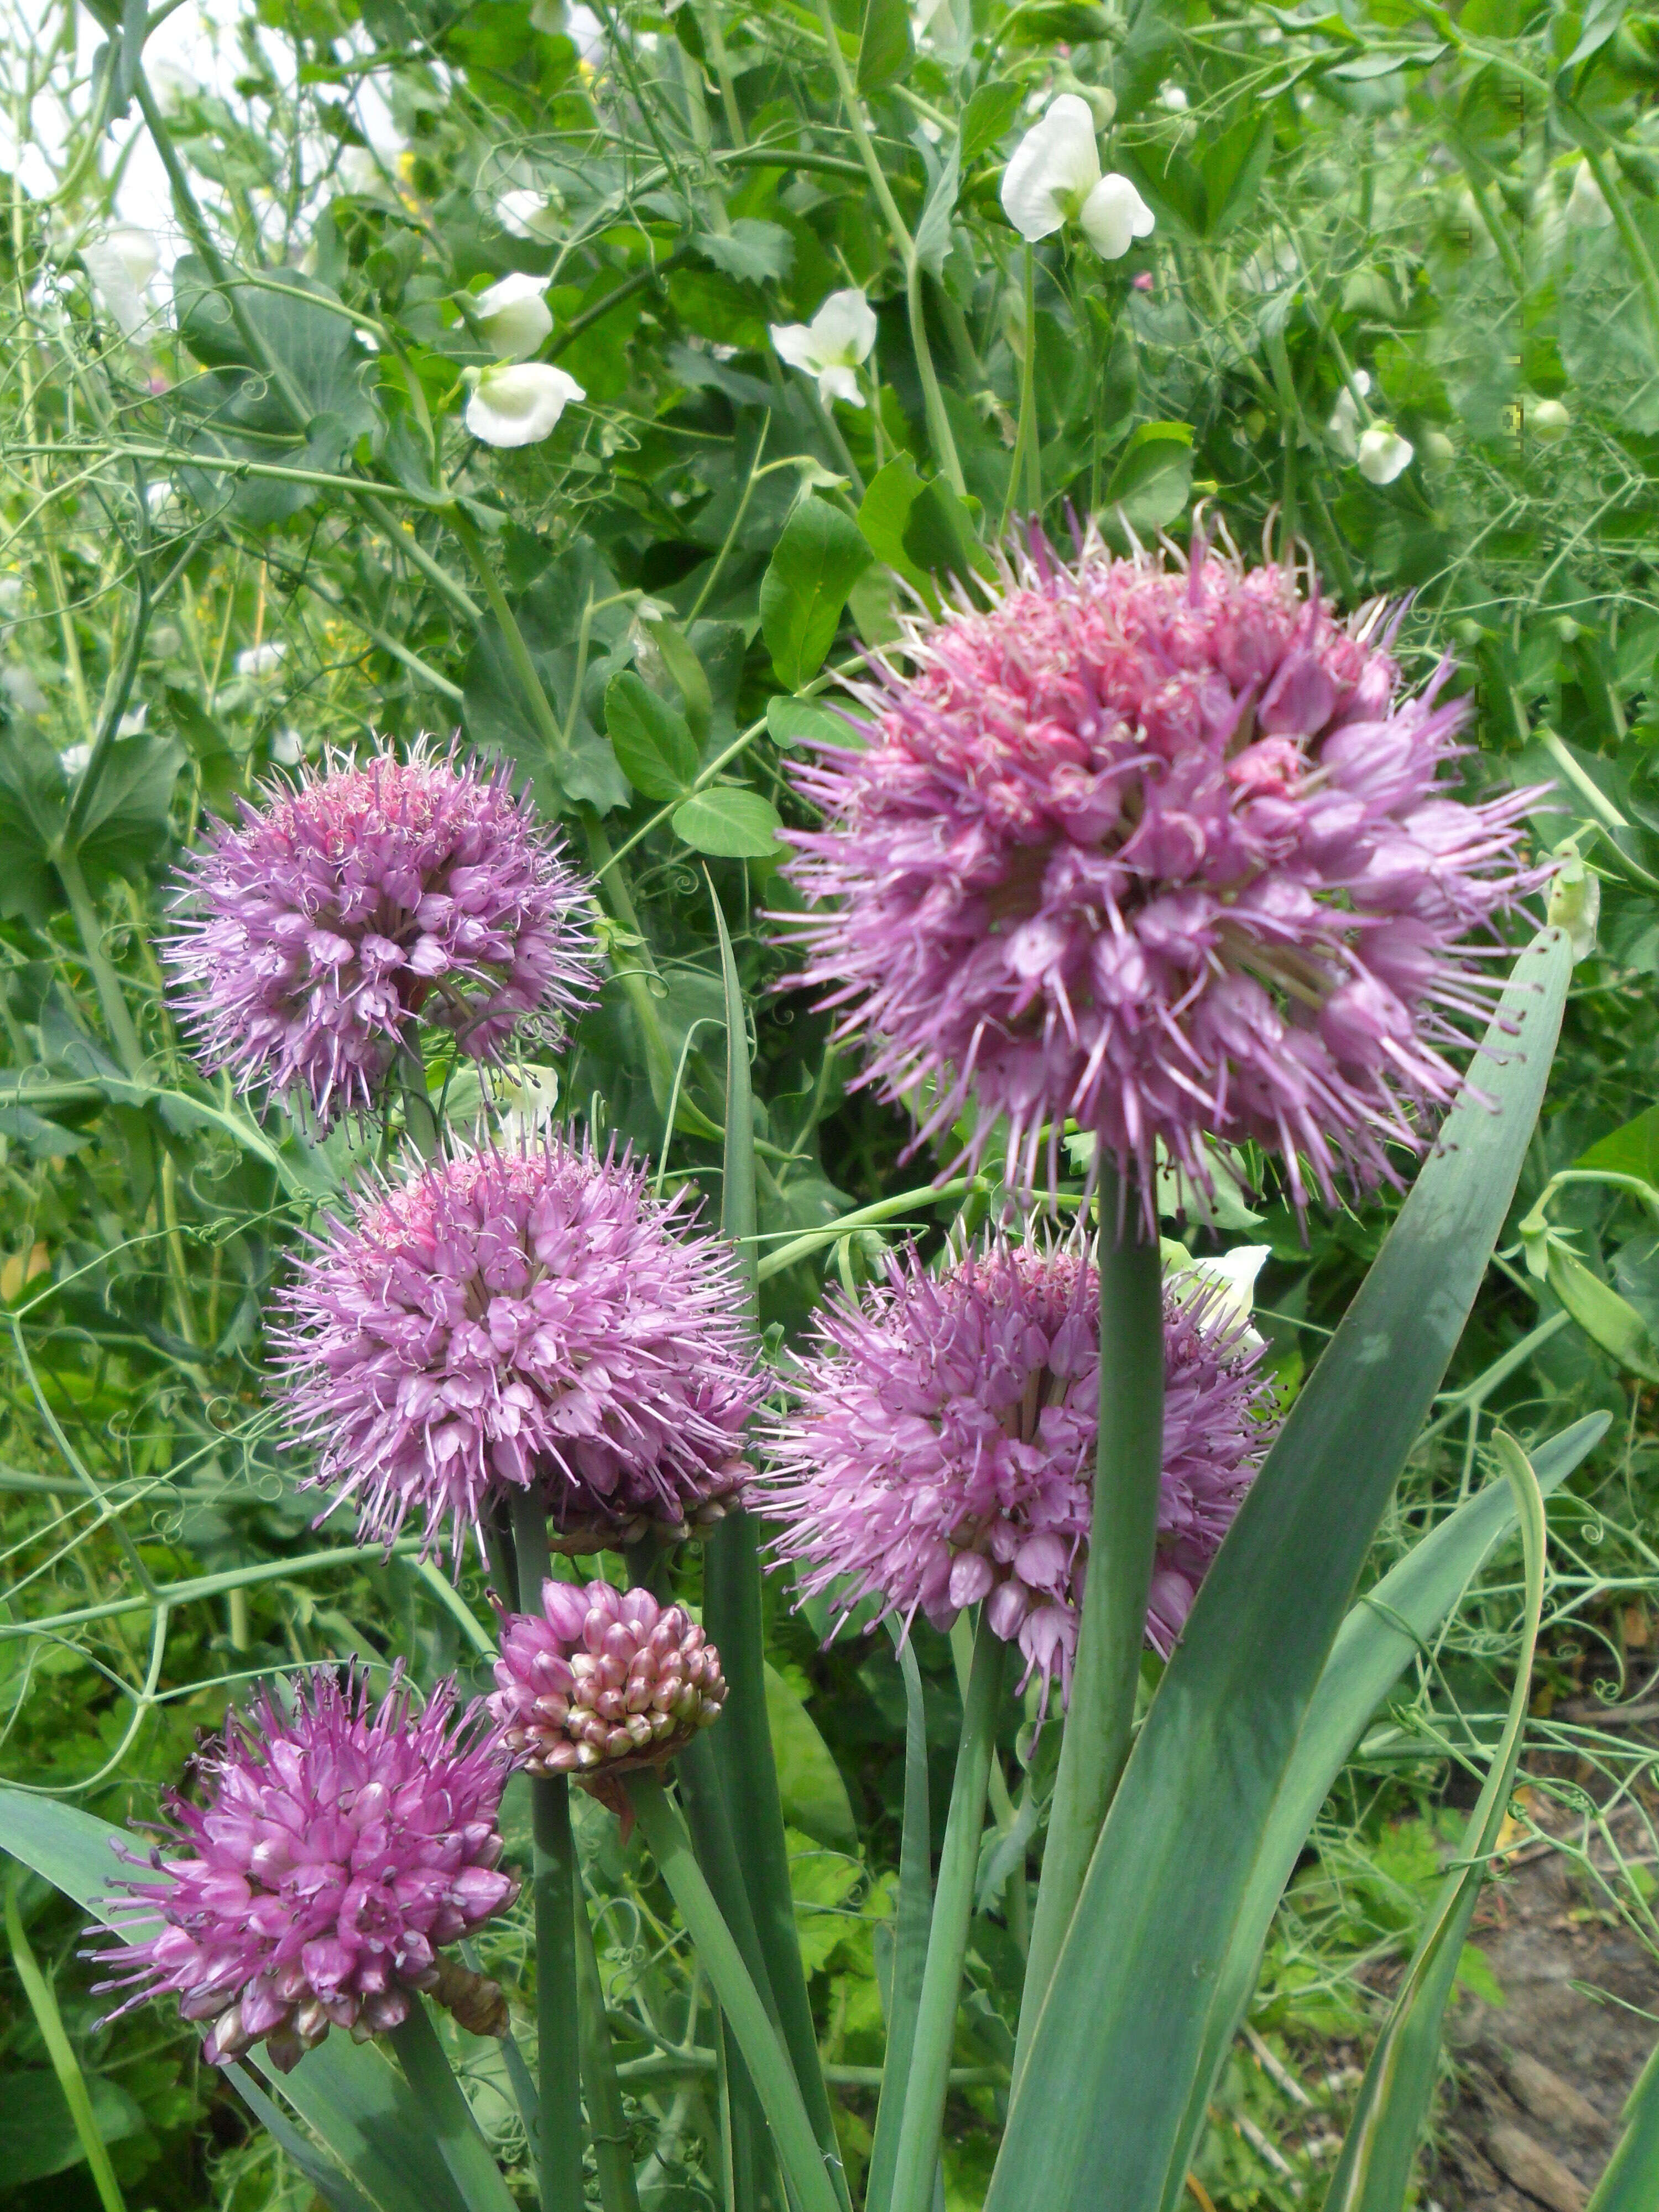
[[940, 1449], [529, 1321], [603, 1680], [315, 930], [338, 1848], [1160, 848]]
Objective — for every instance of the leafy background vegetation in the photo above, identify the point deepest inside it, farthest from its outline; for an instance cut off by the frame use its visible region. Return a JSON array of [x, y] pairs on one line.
[[232, 544]]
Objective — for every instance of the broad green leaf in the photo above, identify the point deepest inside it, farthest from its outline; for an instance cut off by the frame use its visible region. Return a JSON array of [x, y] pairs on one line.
[[814, 565], [1605, 1317], [1631, 1151], [754, 253], [1232, 167], [1631, 2182], [1057, 22], [1116, 2052], [884, 512], [933, 230], [38, 2136], [1150, 485], [1378, 1640], [690, 676], [729, 824], [987, 116], [938, 534], [126, 831], [810, 1783], [799, 722], [348, 2094], [653, 742], [885, 48]]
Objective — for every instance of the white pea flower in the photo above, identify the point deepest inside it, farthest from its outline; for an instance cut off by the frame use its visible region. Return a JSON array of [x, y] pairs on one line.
[[288, 748], [1549, 419], [1230, 1275], [1054, 178], [514, 316], [22, 687], [262, 659], [73, 760], [172, 84], [121, 263], [1587, 206], [1173, 100], [527, 1098], [1343, 429], [520, 404], [11, 595], [131, 724], [1383, 453], [832, 345], [527, 214]]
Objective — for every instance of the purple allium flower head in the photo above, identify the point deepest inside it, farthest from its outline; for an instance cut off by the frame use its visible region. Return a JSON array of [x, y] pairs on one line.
[[315, 930], [521, 1321], [1162, 850], [940, 1452], [339, 1849], [601, 1681]]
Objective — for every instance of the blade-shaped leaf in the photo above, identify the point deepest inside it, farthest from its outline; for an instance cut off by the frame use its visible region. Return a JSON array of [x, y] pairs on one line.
[[1630, 2183], [347, 2093], [1099, 2113], [1376, 1642]]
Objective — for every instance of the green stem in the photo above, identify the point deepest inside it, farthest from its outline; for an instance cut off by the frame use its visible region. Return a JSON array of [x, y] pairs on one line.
[[608, 2120], [118, 1018], [535, 695], [640, 972], [1027, 455], [915, 1905], [420, 1117], [947, 1942], [472, 2168], [1129, 1464], [863, 1217], [775, 2084], [43, 2002], [1634, 244], [938, 423], [558, 2039]]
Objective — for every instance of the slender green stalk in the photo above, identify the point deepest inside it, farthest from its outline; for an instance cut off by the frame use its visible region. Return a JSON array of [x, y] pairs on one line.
[[1123, 1528], [118, 1018], [938, 423], [43, 2002], [607, 2120], [420, 1119], [1647, 276], [916, 1910], [558, 2033], [917, 2157], [449, 2117], [1028, 459], [535, 693], [781, 2098]]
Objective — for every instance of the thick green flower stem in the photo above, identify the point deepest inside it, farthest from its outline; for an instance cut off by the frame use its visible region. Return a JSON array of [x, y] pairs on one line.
[[798, 2151], [420, 1119], [107, 984], [1027, 459], [607, 2120], [742, 1750], [448, 2116], [558, 2034], [947, 1940], [1123, 1529]]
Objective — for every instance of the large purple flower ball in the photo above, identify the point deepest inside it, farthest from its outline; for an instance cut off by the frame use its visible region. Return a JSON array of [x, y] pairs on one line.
[[529, 1321], [939, 1450], [314, 932], [339, 1849], [1163, 852]]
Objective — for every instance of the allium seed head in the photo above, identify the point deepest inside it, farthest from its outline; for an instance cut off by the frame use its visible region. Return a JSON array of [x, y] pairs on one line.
[[1163, 852], [313, 932], [337, 1851], [521, 1321], [602, 1680], [939, 1452]]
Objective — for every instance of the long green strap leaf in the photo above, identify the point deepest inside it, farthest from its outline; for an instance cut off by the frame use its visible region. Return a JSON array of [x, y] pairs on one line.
[[353, 2100], [1375, 2169], [1379, 1638], [1630, 2183], [43, 2002], [915, 1914], [1098, 2116], [471, 2162]]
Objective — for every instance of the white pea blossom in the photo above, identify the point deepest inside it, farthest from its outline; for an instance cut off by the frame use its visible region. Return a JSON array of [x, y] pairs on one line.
[[1232, 1275], [1054, 178], [1548, 420], [527, 214], [73, 761], [520, 404], [832, 345], [1343, 429], [22, 687], [288, 748], [172, 84], [120, 265], [1173, 100], [1587, 206], [1383, 453], [262, 659], [514, 316]]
